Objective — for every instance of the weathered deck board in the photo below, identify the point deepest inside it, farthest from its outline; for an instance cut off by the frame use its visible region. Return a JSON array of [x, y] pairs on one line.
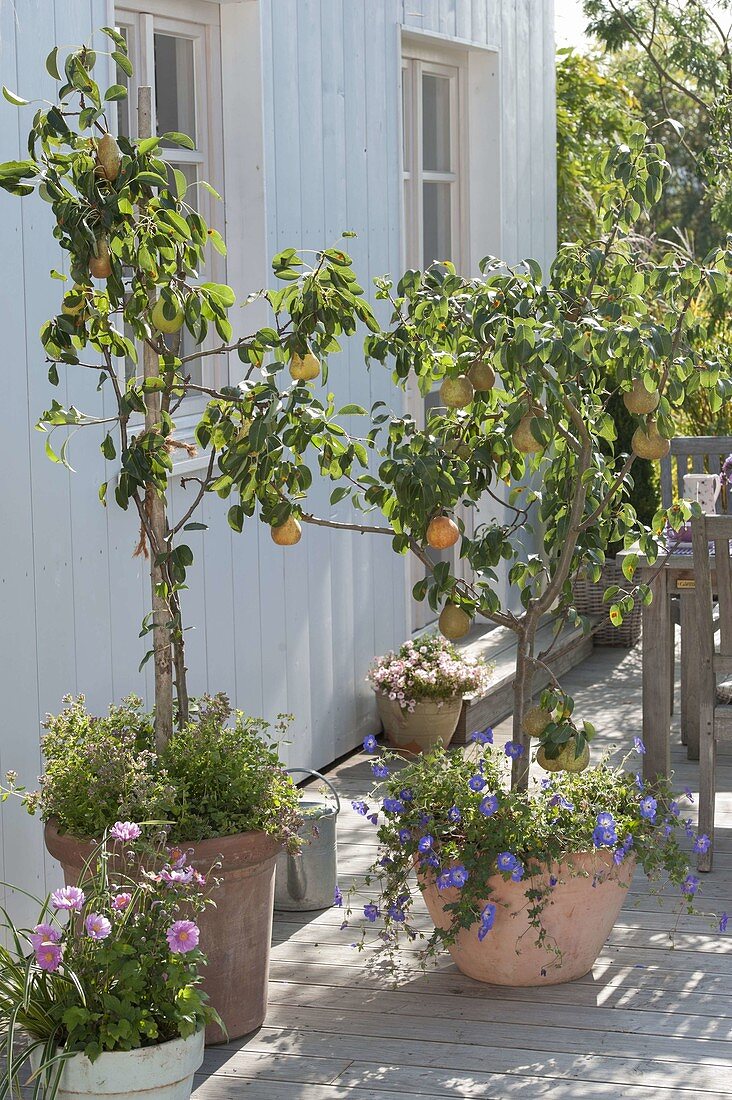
[[648, 1022]]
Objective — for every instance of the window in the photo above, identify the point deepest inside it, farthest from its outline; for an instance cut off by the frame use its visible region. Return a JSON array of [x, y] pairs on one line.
[[179, 58], [434, 211]]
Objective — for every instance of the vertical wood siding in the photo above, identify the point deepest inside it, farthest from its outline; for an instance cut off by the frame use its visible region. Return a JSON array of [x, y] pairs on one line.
[[279, 630]]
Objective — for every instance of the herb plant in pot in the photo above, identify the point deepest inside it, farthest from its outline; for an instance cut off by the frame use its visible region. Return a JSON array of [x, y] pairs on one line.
[[419, 691], [219, 784], [523, 885], [105, 988]]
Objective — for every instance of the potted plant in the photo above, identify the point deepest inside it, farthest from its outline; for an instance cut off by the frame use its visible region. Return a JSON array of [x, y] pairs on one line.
[[105, 988], [419, 691], [218, 785], [523, 886]]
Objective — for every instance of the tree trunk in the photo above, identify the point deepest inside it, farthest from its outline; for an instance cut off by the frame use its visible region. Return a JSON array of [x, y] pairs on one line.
[[157, 507], [521, 693]]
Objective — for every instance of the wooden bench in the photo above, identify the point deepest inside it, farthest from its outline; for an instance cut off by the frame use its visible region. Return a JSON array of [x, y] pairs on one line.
[[498, 647]]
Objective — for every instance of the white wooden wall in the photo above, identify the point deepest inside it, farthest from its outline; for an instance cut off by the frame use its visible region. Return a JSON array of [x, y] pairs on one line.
[[280, 630]]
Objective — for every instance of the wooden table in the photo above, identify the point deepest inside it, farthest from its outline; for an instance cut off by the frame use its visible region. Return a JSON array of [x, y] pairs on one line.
[[675, 577]]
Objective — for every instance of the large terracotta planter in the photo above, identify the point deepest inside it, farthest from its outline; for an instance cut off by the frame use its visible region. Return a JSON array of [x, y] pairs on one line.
[[235, 935], [431, 723], [578, 919], [162, 1072]]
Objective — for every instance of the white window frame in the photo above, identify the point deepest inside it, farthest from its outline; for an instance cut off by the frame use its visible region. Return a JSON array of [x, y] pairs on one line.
[[199, 22]]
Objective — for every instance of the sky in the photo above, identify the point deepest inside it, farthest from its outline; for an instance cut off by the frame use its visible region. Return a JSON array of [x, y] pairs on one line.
[[569, 23]]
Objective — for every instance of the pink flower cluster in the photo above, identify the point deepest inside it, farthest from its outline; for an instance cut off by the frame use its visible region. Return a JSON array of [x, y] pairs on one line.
[[429, 668]]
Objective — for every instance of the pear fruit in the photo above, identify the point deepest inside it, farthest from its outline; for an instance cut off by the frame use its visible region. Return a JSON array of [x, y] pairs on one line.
[[442, 532], [647, 442], [639, 400], [100, 264], [482, 376], [163, 323], [453, 622], [456, 393], [566, 761], [287, 533], [109, 157], [304, 368], [535, 721], [523, 437]]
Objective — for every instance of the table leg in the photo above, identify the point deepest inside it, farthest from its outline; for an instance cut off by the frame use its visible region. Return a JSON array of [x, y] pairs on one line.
[[689, 675], [656, 680]]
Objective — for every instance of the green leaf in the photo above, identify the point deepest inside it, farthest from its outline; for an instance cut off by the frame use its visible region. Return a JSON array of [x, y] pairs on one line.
[[114, 92], [630, 564], [235, 517], [195, 526], [181, 183], [148, 144], [211, 190], [16, 100], [116, 37], [123, 62], [52, 64], [108, 448], [352, 410], [179, 139], [221, 293]]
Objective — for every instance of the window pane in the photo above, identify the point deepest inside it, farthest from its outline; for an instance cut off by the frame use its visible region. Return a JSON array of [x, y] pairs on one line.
[[174, 85], [406, 119], [436, 123], [436, 218], [123, 105]]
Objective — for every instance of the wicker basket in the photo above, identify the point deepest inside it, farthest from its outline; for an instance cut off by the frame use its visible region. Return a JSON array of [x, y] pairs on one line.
[[588, 601]]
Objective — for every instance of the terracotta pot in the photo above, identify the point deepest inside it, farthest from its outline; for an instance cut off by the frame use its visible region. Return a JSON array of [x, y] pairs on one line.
[[432, 722], [584, 906], [162, 1072], [235, 935]]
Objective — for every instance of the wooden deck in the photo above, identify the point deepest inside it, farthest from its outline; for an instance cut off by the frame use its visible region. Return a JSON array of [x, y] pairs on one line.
[[649, 1022]]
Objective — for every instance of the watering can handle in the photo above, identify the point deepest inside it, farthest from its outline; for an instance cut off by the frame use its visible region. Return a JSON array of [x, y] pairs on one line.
[[329, 785]]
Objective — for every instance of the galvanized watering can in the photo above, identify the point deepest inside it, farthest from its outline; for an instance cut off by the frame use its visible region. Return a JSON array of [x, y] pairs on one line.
[[308, 879]]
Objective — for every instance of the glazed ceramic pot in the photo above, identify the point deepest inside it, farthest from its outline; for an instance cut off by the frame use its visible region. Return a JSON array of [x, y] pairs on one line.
[[235, 934], [162, 1072], [432, 722], [587, 894]]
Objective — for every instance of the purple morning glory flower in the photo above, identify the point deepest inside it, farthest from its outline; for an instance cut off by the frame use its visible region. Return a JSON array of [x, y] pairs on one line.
[[667, 828], [430, 860], [405, 835], [674, 808], [562, 802], [458, 876], [371, 912], [627, 842], [373, 818], [689, 827], [487, 920], [553, 880], [702, 843], [604, 836], [453, 814], [518, 872], [513, 750], [648, 807], [640, 748], [690, 885], [506, 861], [444, 880], [424, 818], [369, 743], [689, 795], [337, 897], [476, 783], [406, 795], [396, 914], [379, 771], [360, 808], [723, 922], [488, 805], [639, 782], [546, 783], [605, 819], [482, 737], [425, 843], [393, 806], [618, 856]]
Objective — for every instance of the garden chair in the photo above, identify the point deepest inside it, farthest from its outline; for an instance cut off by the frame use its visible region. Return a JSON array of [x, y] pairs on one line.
[[711, 543]]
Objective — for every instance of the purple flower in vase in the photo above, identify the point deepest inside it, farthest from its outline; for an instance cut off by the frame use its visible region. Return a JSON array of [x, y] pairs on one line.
[[68, 897]]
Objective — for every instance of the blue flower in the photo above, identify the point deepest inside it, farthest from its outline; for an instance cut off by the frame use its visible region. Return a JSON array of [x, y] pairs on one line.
[[406, 795], [648, 807], [690, 885], [360, 808], [371, 912], [476, 783], [380, 771], [392, 806], [483, 737], [444, 880], [369, 743], [689, 795], [627, 842], [518, 872], [337, 897], [453, 814], [488, 805], [702, 843], [618, 856], [604, 836], [639, 746], [605, 819], [674, 808], [425, 843], [667, 828], [506, 861], [487, 920], [424, 818], [723, 922], [458, 876], [430, 860], [405, 835], [396, 913], [639, 782], [546, 783], [689, 827], [553, 880], [562, 802], [513, 750]]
